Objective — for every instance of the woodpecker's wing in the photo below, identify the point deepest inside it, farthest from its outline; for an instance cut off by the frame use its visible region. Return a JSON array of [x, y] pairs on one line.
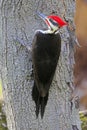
[[45, 54]]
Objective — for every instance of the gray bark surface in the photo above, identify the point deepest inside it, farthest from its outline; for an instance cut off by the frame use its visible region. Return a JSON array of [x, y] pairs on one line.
[[18, 19]]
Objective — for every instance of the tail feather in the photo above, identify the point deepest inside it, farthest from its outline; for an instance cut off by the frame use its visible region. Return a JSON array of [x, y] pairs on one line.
[[39, 101], [37, 106], [43, 104], [42, 107]]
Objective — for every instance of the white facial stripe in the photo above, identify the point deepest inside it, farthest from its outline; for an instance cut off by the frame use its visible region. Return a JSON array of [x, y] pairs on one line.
[[47, 31], [53, 22], [53, 27]]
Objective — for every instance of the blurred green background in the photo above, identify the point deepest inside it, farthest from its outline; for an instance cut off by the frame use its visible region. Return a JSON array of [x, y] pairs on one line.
[[3, 124]]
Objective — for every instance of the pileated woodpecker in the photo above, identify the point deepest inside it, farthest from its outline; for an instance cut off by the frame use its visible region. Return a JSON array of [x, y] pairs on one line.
[[45, 54]]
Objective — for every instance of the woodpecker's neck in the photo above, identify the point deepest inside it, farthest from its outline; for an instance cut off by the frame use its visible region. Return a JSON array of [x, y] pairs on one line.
[[48, 31]]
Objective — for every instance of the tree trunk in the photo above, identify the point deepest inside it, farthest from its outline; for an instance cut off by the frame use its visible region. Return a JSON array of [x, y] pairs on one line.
[[18, 19]]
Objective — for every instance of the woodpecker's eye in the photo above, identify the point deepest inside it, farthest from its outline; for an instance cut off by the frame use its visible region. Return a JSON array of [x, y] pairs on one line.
[[53, 22]]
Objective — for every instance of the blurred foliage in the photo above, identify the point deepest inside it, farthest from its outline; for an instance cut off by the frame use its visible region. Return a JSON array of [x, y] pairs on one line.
[[83, 118], [0, 88], [1, 96], [3, 124]]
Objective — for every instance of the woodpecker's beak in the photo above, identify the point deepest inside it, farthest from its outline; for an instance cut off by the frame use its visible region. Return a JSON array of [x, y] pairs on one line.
[[45, 18], [42, 16]]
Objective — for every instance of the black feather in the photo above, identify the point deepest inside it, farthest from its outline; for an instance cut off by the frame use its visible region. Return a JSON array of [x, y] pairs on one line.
[[39, 101], [45, 54]]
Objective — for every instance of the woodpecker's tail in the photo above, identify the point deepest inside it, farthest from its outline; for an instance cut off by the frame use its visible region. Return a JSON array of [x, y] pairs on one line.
[[39, 101], [43, 104]]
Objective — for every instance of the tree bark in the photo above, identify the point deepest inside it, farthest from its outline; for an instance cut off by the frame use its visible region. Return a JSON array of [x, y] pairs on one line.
[[18, 19]]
